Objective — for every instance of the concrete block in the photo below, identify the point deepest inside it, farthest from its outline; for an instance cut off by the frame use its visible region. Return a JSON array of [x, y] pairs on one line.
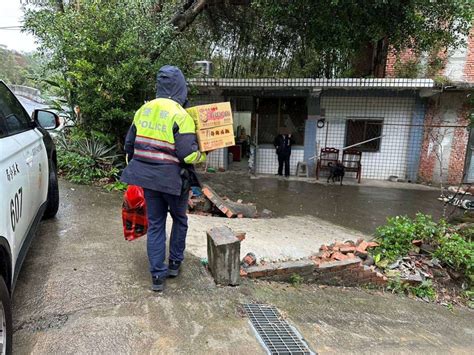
[[223, 254]]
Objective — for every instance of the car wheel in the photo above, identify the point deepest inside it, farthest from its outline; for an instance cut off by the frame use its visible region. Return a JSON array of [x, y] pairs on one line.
[[5, 319], [53, 193]]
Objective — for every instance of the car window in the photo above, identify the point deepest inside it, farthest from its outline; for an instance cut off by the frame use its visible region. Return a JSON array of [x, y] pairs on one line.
[[12, 113], [3, 128]]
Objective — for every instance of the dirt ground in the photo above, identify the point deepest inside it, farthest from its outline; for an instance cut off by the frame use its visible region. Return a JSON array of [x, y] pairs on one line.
[[83, 289]]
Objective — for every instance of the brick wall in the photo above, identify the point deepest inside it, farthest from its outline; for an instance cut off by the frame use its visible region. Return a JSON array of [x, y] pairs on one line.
[[392, 57], [348, 272], [469, 65], [459, 147], [444, 148], [427, 156]]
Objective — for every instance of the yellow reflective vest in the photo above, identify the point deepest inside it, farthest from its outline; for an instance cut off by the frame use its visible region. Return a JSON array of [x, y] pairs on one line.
[[165, 133]]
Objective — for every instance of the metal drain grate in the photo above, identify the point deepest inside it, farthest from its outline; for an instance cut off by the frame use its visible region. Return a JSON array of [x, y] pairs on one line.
[[275, 334]]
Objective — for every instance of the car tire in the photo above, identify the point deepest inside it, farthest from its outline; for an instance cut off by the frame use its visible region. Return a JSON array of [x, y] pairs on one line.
[[5, 304], [53, 193]]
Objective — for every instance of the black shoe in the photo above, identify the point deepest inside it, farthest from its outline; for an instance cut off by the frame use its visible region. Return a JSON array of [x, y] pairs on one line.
[[158, 284], [173, 268]]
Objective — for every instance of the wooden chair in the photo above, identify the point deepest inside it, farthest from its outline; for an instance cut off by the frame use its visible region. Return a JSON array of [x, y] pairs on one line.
[[351, 159], [328, 155]]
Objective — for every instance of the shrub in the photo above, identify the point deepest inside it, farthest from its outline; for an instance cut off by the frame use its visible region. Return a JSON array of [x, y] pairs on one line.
[[86, 159], [458, 253], [409, 69], [396, 236], [78, 168]]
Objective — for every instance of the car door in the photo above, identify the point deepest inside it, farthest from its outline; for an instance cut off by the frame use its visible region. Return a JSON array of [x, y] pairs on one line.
[[18, 197]]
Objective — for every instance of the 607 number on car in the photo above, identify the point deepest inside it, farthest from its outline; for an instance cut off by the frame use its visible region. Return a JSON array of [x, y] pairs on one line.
[[16, 206]]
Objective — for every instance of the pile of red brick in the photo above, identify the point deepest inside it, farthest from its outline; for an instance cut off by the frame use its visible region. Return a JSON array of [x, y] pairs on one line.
[[343, 251]]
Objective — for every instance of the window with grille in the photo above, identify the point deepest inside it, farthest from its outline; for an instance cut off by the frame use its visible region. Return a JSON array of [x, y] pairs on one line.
[[360, 130]]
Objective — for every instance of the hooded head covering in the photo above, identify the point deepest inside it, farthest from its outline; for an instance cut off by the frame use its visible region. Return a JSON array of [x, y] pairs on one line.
[[171, 84]]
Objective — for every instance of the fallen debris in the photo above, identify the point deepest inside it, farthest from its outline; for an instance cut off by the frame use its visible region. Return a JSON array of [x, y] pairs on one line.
[[208, 202], [249, 260], [343, 251]]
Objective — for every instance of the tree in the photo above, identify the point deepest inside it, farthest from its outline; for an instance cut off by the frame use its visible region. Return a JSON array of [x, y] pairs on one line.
[[329, 38], [103, 54]]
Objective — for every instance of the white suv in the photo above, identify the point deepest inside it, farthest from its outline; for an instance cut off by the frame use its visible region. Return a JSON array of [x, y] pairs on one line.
[[28, 192]]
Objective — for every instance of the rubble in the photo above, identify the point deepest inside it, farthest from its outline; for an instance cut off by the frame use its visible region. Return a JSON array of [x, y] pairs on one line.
[[344, 250], [207, 202]]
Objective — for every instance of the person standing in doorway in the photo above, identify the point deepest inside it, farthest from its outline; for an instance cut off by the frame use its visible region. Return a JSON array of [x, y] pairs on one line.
[[162, 147], [283, 143]]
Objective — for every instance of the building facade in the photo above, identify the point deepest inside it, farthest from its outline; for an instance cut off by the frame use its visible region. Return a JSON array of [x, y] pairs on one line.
[[406, 128]]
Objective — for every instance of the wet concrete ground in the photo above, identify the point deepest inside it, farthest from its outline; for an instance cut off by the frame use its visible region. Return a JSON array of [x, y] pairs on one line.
[[83, 289], [358, 207]]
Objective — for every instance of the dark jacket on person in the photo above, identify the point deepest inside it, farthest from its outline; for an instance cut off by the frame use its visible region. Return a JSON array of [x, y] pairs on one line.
[[159, 165], [283, 144]]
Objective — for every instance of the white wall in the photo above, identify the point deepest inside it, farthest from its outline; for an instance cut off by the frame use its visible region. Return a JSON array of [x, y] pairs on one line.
[[267, 160], [454, 69], [391, 159]]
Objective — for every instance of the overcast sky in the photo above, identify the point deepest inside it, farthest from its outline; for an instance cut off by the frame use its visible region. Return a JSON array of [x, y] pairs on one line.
[[11, 15]]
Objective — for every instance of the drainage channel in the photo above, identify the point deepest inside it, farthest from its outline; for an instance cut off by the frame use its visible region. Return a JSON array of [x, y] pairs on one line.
[[275, 334]]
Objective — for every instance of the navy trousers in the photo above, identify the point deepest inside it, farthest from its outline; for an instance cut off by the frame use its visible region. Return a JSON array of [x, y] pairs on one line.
[[158, 204]]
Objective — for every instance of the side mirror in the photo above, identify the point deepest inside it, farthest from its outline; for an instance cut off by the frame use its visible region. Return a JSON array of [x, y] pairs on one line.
[[46, 119]]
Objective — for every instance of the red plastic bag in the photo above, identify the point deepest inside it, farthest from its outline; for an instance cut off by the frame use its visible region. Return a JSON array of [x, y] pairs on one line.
[[135, 222]]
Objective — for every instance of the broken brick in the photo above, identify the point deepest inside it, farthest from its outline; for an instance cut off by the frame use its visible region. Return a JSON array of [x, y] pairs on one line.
[[339, 256], [372, 244], [362, 246], [249, 260], [323, 247], [417, 242], [347, 249], [240, 235]]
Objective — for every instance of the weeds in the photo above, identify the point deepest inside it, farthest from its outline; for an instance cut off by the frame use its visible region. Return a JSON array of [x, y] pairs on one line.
[[296, 280], [457, 253], [116, 186], [397, 235], [425, 290]]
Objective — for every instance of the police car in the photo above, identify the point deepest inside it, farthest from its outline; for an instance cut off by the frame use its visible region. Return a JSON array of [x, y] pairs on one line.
[[28, 192]]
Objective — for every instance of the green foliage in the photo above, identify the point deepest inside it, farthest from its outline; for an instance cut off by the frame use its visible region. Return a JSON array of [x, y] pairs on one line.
[[78, 168], [425, 290], [408, 69], [18, 68], [335, 33], [396, 236], [116, 186], [85, 160], [458, 253], [103, 52], [296, 280]]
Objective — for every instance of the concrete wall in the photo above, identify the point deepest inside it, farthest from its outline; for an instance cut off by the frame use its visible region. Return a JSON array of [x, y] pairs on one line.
[[391, 159]]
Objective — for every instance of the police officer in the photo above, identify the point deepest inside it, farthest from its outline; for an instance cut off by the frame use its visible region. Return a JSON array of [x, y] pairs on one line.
[[161, 145]]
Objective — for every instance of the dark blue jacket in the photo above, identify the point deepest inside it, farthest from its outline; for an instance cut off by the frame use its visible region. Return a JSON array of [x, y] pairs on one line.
[[158, 176]]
